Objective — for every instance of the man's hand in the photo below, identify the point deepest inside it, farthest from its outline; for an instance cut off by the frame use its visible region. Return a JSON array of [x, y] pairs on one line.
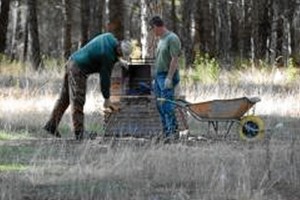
[[122, 64], [108, 104], [168, 83]]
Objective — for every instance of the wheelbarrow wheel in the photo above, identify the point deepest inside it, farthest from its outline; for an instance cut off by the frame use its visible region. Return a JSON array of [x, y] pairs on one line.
[[251, 128]]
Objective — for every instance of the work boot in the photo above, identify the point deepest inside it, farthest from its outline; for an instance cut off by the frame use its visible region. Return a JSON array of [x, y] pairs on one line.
[[172, 138], [79, 135], [159, 138], [172, 133], [52, 130], [82, 135]]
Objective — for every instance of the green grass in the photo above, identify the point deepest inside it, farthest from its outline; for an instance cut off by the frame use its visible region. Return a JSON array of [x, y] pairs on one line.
[[12, 167], [7, 135], [18, 153]]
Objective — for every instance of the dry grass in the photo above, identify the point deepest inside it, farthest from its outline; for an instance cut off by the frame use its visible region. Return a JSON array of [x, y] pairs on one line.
[[39, 167]]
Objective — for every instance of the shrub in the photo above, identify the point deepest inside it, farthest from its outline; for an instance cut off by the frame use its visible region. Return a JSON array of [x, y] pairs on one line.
[[205, 69], [291, 72]]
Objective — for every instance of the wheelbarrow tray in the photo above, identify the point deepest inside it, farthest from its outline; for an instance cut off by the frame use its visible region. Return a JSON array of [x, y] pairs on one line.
[[222, 108]]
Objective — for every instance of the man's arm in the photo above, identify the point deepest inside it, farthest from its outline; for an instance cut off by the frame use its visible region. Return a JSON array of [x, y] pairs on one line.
[[174, 48], [105, 82], [105, 76], [173, 67]]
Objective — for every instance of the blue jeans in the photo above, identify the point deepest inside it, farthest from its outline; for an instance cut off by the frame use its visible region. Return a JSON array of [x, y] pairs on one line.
[[165, 108]]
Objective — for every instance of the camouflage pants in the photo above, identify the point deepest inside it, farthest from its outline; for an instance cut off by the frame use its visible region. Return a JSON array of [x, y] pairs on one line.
[[73, 92]]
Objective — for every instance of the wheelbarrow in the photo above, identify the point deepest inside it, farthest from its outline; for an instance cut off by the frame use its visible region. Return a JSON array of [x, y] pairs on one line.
[[231, 111]]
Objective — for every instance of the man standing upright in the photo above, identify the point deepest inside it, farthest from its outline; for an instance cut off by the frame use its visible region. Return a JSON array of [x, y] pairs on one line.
[[166, 75]]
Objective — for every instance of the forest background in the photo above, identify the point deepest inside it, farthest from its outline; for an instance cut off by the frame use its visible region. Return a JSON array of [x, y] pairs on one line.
[[231, 48], [232, 31]]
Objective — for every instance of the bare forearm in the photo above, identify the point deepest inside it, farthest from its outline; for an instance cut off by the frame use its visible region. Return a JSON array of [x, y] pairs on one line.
[[173, 67]]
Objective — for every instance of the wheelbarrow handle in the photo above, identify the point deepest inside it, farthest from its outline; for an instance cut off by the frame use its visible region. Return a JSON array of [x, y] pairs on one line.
[[180, 102]]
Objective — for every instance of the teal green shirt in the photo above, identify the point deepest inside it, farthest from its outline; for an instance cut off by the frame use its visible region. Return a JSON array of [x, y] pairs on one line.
[[98, 56], [99, 52], [168, 46]]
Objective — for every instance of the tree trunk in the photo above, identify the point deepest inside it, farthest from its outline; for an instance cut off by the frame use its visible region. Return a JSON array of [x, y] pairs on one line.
[[286, 41], [34, 35], [280, 33], [236, 17], [246, 29], [225, 32], [174, 16], [17, 35], [204, 28], [149, 8], [12, 37], [260, 28], [67, 28], [4, 14], [116, 16], [241, 14], [296, 33], [273, 37], [85, 20], [144, 29], [97, 8], [186, 35], [25, 41]]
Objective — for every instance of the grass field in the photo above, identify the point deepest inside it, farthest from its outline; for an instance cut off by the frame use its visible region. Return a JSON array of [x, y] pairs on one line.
[[33, 165]]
